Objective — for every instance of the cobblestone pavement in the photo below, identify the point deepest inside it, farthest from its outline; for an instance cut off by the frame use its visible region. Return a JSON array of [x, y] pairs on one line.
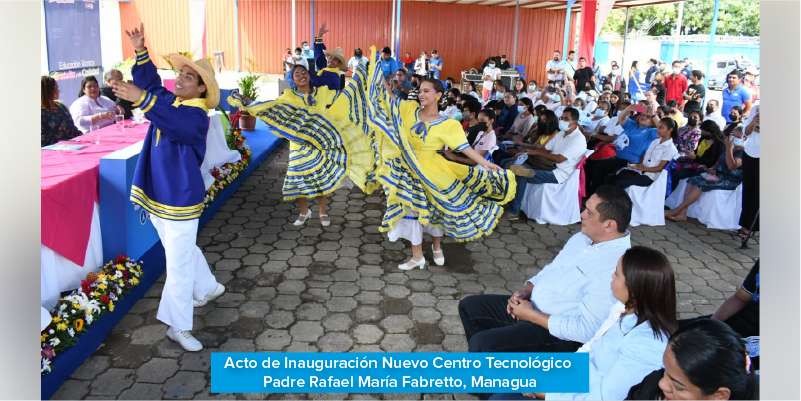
[[338, 289]]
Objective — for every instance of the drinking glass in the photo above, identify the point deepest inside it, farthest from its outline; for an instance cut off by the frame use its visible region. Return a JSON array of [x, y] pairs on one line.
[[119, 119], [94, 130]]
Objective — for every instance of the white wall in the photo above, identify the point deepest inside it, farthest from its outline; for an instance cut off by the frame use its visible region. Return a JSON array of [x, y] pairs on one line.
[[110, 33], [45, 70]]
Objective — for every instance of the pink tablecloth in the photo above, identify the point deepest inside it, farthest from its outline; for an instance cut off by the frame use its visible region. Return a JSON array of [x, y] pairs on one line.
[[70, 189]]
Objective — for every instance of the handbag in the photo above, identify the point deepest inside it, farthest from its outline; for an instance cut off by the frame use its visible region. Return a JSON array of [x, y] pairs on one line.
[[540, 163]]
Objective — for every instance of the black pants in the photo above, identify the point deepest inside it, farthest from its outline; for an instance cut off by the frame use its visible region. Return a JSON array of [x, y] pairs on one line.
[[678, 175], [750, 193], [627, 178], [490, 329], [595, 172]]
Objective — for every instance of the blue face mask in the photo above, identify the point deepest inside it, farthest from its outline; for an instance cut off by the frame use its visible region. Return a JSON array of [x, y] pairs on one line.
[[738, 142], [457, 116], [499, 95], [557, 98], [491, 65], [532, 88], [600, 112], [521, 109], [535, 119]]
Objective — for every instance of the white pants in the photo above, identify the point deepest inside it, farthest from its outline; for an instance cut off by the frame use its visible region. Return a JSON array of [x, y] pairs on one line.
[[188, 273], [409, 228]]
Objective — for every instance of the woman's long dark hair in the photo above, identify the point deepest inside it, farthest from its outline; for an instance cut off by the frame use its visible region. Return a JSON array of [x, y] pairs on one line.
[[547, 125], [673, 126], [652, 289], [85, 80], [48, 87], [712, 355], [529, 104], [713, 128]]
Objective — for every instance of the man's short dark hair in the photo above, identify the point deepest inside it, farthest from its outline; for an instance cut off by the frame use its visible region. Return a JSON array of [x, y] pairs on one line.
[[698, 74], [386, 50], [573, 113], [472, 106], [402, 70], [676, 62], [304, 42], [653, 60], [557, 51], [615, 204], [571, 52], [582, 58], [734, 72], [713, 100], [434, 52]]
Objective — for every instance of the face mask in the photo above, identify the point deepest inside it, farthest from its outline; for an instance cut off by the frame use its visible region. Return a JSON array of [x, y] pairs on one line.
[[414, 84], [733, 117], [615, 73], [306, 47], [564, 125], [676, 71], [492, 65], [556, 98], [710, 109], [738, 142], [692, 121], [532, 87], [297, 56], [600, 112], [457, 116], [499, 96], [536, 119], [482, 126], [521, 109]]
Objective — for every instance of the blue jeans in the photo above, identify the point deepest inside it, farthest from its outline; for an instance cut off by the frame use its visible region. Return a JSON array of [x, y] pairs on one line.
[[541, 177], [508, 161]]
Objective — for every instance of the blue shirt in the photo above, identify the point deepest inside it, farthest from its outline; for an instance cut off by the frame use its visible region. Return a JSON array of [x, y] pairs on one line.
[[507, 118], [575, 288], [307, 54], [733, 98], [401, 94], [435, 61], [633, 84], [324, 78], [650, 73], [621, 358], [639, 140], [388, 67]]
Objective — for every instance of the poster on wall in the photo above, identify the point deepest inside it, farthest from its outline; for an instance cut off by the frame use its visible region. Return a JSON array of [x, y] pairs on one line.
[[73, 43]]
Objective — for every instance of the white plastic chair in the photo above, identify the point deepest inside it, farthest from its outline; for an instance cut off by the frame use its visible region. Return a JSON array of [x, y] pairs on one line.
[[718, 209], [649, 202], [554, 203]]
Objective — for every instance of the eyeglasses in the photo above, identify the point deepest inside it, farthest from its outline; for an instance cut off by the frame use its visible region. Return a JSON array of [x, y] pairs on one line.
[[300, 73]]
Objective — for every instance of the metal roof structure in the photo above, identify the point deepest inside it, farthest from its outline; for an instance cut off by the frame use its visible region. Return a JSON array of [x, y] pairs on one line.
[[553, 4]]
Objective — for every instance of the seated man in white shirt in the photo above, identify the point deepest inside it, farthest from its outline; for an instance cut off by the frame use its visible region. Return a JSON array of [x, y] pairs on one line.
[[562, 306], [564, 152], [713, 113]]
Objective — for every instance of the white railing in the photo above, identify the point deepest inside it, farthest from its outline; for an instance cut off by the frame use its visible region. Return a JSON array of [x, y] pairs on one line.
[[751, 40]]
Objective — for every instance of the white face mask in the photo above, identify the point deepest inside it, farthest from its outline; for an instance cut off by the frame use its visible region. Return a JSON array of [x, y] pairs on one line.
[[615, 73], [492, 65], [600, 112], [564, 125], [556, 98], [676, 71], [306, 47]]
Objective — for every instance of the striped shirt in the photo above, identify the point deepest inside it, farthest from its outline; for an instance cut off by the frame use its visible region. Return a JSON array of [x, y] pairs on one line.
[[575, 288]]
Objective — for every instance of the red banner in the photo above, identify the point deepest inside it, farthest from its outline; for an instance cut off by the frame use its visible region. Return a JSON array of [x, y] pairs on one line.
[[587, 34]]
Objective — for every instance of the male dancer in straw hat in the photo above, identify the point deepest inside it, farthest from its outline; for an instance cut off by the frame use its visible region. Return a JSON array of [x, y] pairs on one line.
[[330, 64], [167, 181]]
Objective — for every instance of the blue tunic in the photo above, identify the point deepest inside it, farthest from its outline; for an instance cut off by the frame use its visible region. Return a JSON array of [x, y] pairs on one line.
[[325, 78], [167, 180]]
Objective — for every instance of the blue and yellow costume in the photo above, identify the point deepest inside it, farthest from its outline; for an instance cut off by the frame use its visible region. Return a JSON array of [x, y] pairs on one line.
[[328, 136], [167, 180], [329, 77], [463, 201]]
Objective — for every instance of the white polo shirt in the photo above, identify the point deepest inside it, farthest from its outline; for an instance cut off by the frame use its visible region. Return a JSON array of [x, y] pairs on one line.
[[572, 147], [658, 152], [555, 65]]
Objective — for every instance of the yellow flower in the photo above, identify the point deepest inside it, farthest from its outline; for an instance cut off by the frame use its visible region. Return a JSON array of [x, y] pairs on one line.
[[61, 326], [135, 281], [56, 319], [76, 306], [44, 337], [111, 306], [102, 287]]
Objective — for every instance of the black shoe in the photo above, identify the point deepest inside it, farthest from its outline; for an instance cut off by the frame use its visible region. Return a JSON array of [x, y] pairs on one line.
[[509, 216]]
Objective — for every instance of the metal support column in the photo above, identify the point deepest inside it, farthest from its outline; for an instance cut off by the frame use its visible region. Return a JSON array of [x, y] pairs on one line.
[[392, 31], [711, 42], [236, 33], [625, 36], [678, 31], [567, 28], [517, 17], [397, 30]]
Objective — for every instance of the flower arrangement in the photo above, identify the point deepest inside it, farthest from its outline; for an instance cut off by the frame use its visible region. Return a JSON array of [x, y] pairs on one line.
[[74, 313], [228, 172]]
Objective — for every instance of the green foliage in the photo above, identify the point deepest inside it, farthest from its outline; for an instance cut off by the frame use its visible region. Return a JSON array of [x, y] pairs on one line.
[[188, 55], [735, 18], [125, 68], [249, 84]]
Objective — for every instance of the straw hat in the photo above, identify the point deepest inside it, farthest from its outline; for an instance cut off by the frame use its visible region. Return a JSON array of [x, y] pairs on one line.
[[343, 62], [206, 71], [751, 70]]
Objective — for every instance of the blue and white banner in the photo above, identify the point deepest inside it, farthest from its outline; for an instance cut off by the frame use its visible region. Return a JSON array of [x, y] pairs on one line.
[[399, 372]]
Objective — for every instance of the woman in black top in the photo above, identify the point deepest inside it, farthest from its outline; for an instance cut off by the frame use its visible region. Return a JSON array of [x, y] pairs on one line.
[[692, 164], [736, 117]]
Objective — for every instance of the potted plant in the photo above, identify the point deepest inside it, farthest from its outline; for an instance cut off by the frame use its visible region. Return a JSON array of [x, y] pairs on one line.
[[249, 85]]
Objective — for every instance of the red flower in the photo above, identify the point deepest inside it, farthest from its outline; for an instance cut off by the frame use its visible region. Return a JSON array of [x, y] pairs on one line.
[[121, 259], [238, 144], [86, 287], [245, 157], [125, 275], [105, 299]]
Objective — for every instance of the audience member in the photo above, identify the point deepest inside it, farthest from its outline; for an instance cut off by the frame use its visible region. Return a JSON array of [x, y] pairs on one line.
[[470, 89], [434, 65], [690, 134], [415, 81], [750, 214], [558, 160], [710, 146], [725, 175], [546, 124], [484, 143], [583, 75], [520, 88], [358, 57], [749, 83], [556, 68], [615, 79], [470, 110], [569, 298], [635, 88], [713, 113], [735, 120], [694, 96], [387, 63], [401, 85], [111, 77], [421, 65], [57, 123], [308, 54], [523, 122], [650, 98], [704, 360], [504, 65], [570, 66], [676, 84], [735, 95], [660, 152], [507, 117], [91, 109], [408, 63], [599, 118], [631, 342], [490, 74], [656, 84], [675, 113]]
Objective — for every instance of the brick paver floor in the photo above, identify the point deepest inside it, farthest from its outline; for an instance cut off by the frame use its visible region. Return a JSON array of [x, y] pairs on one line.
[[338, 289]]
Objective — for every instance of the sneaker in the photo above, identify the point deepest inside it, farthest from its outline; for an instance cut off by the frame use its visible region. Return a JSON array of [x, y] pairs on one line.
[[521, 171], [185, 338], [215, 293], [507, 215]]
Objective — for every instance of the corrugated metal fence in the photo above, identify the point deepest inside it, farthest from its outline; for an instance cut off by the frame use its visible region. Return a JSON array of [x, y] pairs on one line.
[[464, 35]]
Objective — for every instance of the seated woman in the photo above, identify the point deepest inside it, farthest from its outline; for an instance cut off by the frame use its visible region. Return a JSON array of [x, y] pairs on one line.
[[451, 111], [704, 360], [630, 344], [523, 122], [470, 89], [483, 144], [91, 109], [675, 113], [725, 175], [662, 112], [659, 154], [532, 91], [617, 99], [599, 118], [545, 130], [520, 88], [709, 150], [57, 122], [736, 117], [690, 134]]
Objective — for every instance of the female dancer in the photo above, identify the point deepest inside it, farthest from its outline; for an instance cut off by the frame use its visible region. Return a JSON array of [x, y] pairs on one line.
[[327, 138], [425, 192]]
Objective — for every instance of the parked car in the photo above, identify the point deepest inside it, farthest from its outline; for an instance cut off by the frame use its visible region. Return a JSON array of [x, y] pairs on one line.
[[717, 80]]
